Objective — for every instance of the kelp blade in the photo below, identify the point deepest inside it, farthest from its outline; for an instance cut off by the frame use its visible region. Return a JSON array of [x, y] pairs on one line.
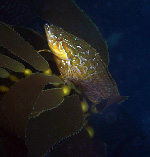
[[7, 62], [53, 126], [48, 99], [4, 73], [38, 41], [80, 144], [19, 101], [17, 45]]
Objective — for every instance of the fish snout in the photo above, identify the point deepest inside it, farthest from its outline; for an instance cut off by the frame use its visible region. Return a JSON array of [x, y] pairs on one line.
[[46, 27]]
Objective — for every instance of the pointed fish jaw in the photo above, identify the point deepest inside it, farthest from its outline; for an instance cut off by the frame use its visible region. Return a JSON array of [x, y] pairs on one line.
[[49, 33], [55, 43]]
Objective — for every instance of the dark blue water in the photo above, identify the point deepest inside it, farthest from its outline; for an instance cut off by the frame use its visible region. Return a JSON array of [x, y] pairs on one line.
[[125, 27]]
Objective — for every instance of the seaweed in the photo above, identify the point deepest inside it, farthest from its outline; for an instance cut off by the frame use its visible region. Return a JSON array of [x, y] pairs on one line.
[[59, 123], [34, 115], [36, 118], [18, 46]]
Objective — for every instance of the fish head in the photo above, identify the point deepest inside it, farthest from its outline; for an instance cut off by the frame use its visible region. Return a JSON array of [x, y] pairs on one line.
[[59, 43]]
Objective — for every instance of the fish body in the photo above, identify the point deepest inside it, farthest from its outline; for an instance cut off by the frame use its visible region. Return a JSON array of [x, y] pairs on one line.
[[81, 64]]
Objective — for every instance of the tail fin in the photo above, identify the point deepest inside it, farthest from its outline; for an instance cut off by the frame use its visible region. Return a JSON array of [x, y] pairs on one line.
[[113, 99]]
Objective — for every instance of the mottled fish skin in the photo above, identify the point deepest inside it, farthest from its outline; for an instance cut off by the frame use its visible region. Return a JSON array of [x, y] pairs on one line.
[[80, 63]]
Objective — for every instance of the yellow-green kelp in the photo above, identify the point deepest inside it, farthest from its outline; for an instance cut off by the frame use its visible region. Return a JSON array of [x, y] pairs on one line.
[[35, 103]]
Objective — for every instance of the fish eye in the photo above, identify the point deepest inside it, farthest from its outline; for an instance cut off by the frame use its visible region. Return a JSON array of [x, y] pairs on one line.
[[60, 39]]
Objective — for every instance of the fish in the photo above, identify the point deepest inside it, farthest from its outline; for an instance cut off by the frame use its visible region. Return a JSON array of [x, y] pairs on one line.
[[81, 64]]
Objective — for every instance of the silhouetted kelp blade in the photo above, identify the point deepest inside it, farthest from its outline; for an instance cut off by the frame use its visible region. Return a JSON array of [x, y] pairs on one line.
[[11, 64], [17, 45], [50, 127], [77, 145], [4, 73], [48, 99], [19, 101], [71, 18], [35, 39]]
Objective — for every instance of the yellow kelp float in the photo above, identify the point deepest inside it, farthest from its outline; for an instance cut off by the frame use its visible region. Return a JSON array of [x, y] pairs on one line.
[[84, 105], [3, 88], [90, 131], [66, 90], [27, 72]]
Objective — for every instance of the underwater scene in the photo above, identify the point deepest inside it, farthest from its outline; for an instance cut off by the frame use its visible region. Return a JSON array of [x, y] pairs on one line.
[[74, 78]]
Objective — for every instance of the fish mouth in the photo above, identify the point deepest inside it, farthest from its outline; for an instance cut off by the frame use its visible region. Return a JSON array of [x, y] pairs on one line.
[[55, 42], [46, 26], [49, 32]]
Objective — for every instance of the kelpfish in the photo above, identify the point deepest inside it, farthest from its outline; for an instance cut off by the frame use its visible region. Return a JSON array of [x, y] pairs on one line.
[[81, 64]]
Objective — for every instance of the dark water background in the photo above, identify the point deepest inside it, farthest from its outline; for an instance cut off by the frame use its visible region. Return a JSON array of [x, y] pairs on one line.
[[125, 26]]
